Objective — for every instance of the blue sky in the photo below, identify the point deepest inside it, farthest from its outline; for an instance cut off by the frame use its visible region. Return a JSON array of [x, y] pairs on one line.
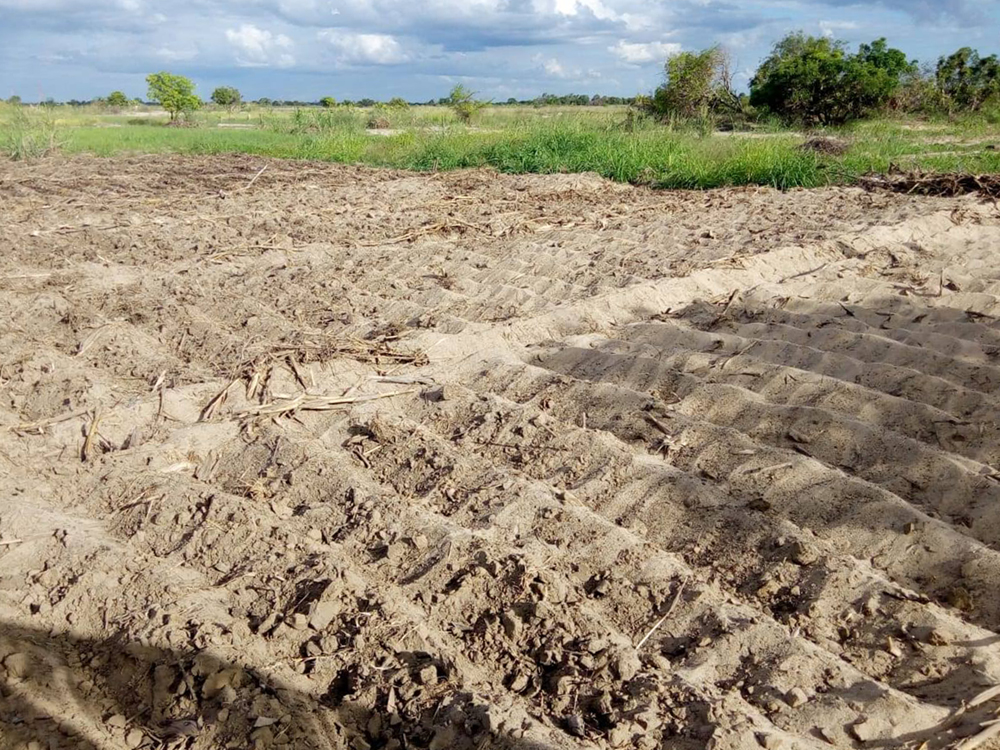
[[349, 49]]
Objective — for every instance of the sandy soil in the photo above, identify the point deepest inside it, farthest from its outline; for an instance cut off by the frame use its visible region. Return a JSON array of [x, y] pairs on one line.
[[348, 458]]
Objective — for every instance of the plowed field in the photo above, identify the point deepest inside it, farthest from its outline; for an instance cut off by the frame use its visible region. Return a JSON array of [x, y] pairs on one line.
[[330, 457]]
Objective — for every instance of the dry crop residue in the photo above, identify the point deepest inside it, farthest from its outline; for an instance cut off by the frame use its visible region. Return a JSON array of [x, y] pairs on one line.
[[346, 458]]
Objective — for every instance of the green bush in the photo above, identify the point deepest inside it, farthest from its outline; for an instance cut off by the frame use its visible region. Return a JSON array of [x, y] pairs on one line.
[[464, 104], [815, 81], [328, 102], [690, 86], [697, 90], [117, 100]]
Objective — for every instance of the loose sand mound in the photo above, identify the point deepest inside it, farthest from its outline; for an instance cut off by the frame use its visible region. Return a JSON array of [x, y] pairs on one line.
[[361, 459]]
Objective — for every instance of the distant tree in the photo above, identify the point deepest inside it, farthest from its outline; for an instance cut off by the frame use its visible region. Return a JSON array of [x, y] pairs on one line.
[[814, 80], [227, 96], [117, 100], [464, 104], [967, 80], [347, 103], [328, 102], [14, 100], [398, 102], [366, 102], [264, 102], [173, 92]]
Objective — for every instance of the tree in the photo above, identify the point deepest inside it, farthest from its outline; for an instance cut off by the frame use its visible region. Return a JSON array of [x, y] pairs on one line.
[[117, 100], [968, 81], [174, 93], [14, 100], [328, 102], [463, 103], [815, 80], [227, 96], [398, 102]]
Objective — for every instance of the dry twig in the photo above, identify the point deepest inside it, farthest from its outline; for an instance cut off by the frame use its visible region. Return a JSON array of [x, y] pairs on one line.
[[670, 611], [306, 402]]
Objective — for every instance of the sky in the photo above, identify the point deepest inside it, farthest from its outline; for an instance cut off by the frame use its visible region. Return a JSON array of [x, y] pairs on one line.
[[352, 49]]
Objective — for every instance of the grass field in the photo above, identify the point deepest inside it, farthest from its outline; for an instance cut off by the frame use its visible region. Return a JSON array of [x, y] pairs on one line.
[[605, 140]]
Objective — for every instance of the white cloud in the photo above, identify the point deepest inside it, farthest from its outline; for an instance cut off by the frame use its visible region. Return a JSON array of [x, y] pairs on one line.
[[176, 55], [639, 53], [365, 49], [573, 7], [554, 68], [829, 28], [259, 48]]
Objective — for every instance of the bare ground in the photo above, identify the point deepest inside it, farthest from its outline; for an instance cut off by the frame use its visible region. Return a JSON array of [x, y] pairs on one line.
[[347, 458]]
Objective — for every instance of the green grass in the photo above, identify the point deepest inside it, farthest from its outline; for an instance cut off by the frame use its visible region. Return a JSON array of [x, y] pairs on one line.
[[526, 139]]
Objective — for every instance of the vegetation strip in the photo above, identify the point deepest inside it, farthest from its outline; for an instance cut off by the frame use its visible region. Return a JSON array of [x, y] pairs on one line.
[[816, 114]]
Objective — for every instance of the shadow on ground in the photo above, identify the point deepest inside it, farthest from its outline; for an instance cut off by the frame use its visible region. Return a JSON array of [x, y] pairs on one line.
[[60, 691]]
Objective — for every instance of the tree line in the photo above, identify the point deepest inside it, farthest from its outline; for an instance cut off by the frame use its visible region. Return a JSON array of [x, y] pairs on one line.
[[808, 80]]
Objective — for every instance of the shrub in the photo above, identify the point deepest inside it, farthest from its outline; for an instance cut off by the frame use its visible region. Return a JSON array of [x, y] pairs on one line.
[[27, 136], [968, 81], [464, 104], [227, 96], [697, 88], [328, 101], [398, 102], [117, 100], [174, 93], [691, 79], [918, 94], [814, 81]]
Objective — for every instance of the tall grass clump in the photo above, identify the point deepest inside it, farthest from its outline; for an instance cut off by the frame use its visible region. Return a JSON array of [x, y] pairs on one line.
[[25, 134], [325, 121]]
